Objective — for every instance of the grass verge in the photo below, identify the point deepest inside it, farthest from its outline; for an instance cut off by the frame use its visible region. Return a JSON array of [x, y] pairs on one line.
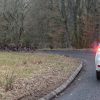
[[32, 75]]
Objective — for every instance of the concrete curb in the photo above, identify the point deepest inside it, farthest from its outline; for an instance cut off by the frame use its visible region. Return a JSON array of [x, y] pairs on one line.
[[64, 85]]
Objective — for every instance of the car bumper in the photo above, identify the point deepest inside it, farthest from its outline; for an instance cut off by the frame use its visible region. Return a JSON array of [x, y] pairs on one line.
[[98, 68], [97, 63]]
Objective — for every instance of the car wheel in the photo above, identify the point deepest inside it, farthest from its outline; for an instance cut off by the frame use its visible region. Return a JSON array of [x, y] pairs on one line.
[[98, 75]]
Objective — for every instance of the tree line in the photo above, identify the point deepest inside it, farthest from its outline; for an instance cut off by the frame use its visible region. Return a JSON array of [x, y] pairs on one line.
[[33, 24]]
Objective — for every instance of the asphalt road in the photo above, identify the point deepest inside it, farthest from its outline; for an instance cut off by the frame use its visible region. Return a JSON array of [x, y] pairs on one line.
[[85, 87]]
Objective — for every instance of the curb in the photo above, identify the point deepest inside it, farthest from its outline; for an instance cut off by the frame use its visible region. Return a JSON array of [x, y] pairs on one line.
[[64, 85]]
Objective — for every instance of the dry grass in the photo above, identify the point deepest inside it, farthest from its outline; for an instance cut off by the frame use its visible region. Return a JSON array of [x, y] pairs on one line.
[[34, 74]]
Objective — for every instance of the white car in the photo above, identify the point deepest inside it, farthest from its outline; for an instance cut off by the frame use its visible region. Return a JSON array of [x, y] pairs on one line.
[[97, 63]]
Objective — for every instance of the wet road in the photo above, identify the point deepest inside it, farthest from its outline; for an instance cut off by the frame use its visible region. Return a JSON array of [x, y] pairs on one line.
[[85, 87]]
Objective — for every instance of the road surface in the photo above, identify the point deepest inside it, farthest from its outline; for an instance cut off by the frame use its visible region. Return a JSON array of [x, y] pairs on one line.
[[85, 87]]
